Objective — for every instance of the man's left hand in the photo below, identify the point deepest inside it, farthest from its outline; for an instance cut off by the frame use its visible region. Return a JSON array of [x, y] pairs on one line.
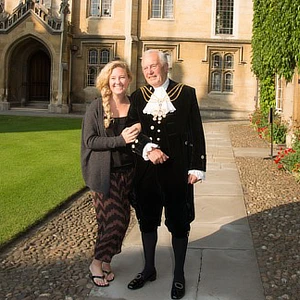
[[193, 179]]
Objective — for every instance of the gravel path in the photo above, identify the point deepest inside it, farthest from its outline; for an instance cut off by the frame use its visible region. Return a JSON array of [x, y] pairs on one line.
[[50, 262], [272, 199]]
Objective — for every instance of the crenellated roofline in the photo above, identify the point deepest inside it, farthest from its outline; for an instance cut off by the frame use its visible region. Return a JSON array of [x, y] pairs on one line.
[[8, 21]]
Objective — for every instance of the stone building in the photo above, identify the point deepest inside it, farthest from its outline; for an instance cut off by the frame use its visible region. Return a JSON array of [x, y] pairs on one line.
[[288, 103], [52, 50]]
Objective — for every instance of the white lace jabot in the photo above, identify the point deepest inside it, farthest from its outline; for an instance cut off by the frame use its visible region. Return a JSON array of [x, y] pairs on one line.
[[159, 104]]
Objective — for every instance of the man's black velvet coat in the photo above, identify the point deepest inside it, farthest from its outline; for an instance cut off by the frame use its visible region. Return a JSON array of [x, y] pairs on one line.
[[179, 135]]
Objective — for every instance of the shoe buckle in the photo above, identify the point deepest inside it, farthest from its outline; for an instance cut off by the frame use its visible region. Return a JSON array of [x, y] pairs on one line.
[[178, 285]]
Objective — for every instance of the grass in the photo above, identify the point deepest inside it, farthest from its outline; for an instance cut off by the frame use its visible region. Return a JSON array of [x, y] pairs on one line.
[[39, 169]]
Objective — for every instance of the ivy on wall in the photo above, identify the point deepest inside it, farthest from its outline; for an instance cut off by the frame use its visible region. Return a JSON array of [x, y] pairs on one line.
[[275, 44]]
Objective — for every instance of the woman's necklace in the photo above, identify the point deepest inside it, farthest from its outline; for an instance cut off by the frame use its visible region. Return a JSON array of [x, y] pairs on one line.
[[119, 108]]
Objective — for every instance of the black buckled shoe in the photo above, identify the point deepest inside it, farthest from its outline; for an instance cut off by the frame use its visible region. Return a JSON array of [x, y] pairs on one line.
[[139, 281], [178, 290]]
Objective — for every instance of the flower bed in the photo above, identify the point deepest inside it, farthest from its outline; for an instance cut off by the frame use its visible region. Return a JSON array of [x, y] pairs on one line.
[[264, 128], [289, 159]]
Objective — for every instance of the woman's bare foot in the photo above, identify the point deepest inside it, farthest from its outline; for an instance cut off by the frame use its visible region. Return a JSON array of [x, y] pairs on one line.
[[97, 274], [109, 275]]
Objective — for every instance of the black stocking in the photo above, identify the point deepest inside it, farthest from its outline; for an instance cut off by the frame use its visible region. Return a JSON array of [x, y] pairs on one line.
[[149, 244], [179, 248]]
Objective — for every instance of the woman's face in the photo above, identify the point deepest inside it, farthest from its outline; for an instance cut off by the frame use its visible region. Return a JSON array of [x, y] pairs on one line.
[[119, 81]]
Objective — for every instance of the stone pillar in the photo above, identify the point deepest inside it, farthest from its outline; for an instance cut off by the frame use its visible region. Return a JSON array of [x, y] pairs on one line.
[[4, 104], [131, 39], [62, 105]]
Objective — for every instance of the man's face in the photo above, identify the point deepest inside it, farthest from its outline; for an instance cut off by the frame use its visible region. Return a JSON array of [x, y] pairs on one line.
[[154, 72]]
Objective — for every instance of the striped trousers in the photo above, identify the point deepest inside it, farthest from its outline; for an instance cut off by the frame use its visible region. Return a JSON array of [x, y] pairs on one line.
[[113, 215]]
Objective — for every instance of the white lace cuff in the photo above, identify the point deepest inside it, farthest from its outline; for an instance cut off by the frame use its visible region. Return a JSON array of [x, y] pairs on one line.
[[199, 174], [148, 148]]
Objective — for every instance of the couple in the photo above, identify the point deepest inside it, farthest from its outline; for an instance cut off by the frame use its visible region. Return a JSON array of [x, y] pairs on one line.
[[161, 124]]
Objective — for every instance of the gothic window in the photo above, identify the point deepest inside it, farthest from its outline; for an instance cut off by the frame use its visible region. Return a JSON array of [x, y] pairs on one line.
[[100, 8], [93, 57], [104, 56], [228, 61], [91, 76], [162, 9], [96, 59], [228, 82], [224, 16], [221, 72]]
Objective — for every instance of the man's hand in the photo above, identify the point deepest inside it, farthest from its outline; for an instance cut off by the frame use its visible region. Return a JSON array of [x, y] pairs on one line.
[[156, 156], [193, 179]]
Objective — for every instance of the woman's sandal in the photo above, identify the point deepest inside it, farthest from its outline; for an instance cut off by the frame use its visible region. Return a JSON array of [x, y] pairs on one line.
[[107, 273], [102, 277]]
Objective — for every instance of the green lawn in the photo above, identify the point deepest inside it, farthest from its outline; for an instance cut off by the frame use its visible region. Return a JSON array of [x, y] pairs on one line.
[[39, 169]]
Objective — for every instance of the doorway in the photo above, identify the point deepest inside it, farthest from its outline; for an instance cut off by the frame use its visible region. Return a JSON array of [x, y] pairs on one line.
[[38, 77]]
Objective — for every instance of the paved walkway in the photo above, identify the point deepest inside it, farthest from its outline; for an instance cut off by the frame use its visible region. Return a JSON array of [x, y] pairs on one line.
[[221, 262]]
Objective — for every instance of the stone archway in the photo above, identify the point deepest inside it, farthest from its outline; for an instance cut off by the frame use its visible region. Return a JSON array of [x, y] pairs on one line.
[[29, 75]]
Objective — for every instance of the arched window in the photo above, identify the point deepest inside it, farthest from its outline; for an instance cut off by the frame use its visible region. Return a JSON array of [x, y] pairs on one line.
[[228, 61], [91, 76], [97, 57], [93, 57], [221, 71], [104, 56], [228, 82], [216, 81], [217, 61]]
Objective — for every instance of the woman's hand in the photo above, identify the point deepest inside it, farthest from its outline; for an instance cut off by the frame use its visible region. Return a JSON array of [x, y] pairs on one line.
[[138, 126], [129, 134]]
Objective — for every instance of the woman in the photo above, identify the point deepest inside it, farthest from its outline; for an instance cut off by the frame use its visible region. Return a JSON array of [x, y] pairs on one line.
[[107, 165]]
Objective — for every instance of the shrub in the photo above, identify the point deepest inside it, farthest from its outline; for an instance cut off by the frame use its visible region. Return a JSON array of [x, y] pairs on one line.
[[289, 159], [260, 121], [279, 130]]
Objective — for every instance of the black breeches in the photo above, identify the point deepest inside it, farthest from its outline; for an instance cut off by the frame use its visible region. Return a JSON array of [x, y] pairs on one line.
[[162, 186]]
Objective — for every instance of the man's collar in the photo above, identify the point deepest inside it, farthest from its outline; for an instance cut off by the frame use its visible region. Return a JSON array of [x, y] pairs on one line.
[[165, 84]]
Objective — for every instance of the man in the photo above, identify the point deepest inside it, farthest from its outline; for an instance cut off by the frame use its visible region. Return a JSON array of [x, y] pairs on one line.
[[170, 159]]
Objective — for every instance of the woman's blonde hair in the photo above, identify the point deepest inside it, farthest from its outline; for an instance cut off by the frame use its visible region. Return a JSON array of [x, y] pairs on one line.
[[102, 84]]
